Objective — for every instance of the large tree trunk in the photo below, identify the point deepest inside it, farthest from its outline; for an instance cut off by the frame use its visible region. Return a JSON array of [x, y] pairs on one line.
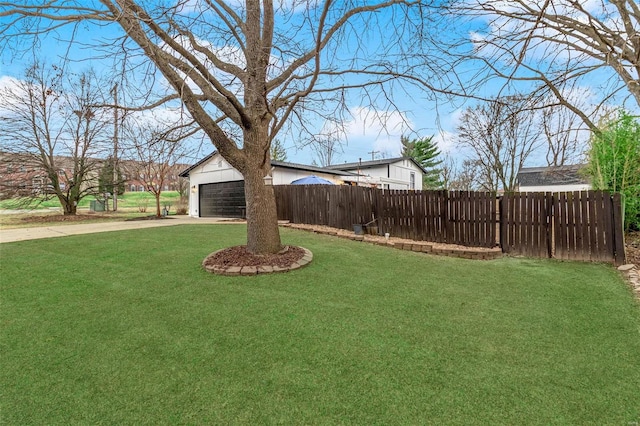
[[69, 208], [263, 235]]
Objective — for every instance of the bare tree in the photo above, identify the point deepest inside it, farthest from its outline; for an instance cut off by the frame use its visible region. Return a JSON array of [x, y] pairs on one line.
[[51, 133], [501, 135], [553, 43], [327, 148], [155, 149], [562, 130], [468, 177], [448, 171], [246, 71]]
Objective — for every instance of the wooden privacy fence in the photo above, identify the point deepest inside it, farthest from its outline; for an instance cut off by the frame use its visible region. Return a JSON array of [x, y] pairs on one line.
[[330, 205], [456, 217], [575, 225], [581, 225]]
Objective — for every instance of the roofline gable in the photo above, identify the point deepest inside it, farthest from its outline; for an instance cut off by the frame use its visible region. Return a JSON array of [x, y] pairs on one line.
[[274, 163], [374, 163]]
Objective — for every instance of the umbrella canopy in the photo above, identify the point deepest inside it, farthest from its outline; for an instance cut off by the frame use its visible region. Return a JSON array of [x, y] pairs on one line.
[[312, 180]]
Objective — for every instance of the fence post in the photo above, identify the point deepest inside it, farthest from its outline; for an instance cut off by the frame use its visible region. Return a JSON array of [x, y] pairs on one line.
[[501, 222], [549, 222], [618, 229], [446, 217]]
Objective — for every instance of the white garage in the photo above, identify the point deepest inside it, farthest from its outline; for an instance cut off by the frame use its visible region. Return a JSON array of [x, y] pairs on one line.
[[216, 189]]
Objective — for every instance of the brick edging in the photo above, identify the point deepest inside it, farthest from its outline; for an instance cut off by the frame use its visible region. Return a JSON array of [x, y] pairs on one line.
[[422, 247], [255, 270]]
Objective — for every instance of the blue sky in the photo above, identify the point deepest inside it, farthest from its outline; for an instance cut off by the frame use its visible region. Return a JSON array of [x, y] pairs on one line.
[[365, 132]]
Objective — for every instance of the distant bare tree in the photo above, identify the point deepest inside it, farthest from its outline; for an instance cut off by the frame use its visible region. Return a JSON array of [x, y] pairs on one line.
[[52, 128], [448, 171], [501, 134], [460, 177], [562, 129], [156, 149], [327, 149], [468, 178]]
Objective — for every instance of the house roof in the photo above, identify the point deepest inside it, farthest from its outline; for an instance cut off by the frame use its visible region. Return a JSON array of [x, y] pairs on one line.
[[286, 165], [185, 172], [374, 163], [282, 164], [546, 176]]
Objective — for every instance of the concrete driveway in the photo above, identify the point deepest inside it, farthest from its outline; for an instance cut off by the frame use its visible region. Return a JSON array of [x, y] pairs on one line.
[[22, 234]]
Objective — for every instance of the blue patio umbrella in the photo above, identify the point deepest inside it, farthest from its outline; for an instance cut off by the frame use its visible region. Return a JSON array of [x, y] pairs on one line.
[[312, 180]]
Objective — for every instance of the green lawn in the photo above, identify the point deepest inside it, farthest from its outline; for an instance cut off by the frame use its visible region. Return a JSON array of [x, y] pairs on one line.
[[127, 328], [129, 200]]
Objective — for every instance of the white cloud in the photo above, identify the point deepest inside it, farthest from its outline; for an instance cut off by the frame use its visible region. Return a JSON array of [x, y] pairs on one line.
[[446, 141], [374, 130], [8, 82]]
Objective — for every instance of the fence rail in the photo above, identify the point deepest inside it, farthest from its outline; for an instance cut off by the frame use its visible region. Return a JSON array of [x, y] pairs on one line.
[[573, 225]]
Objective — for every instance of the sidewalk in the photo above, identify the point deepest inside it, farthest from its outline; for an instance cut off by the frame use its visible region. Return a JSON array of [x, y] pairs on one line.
[[22, 234]]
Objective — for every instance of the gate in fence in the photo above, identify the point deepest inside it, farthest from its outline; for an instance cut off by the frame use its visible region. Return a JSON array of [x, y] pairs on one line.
[[585, 225]]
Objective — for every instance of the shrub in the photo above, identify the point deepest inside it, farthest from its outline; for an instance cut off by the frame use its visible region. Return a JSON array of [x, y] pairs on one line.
[[614, 163], [182, 208]]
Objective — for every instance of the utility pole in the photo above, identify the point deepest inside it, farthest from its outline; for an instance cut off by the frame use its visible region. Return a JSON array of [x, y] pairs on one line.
[[116, 184], [373, 154]]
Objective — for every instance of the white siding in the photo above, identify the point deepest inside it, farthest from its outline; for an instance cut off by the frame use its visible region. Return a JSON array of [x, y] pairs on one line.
[[396, 175], [556, 188], [402, 170], [213, 171]]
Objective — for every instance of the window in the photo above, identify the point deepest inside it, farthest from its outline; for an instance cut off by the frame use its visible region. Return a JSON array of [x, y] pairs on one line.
[[133, 188], [141, 188], [412, 181]]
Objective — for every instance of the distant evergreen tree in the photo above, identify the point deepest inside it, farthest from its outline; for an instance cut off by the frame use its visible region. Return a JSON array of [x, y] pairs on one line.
[[278, 152], [426, 153], [105, 179]]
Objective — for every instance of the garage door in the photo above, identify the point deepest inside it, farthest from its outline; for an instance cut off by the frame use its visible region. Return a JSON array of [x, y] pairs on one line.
[[224, 199]]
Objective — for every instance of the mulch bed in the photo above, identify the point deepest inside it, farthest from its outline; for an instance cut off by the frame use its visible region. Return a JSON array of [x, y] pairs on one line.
[[239, 256], [62, 218]]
